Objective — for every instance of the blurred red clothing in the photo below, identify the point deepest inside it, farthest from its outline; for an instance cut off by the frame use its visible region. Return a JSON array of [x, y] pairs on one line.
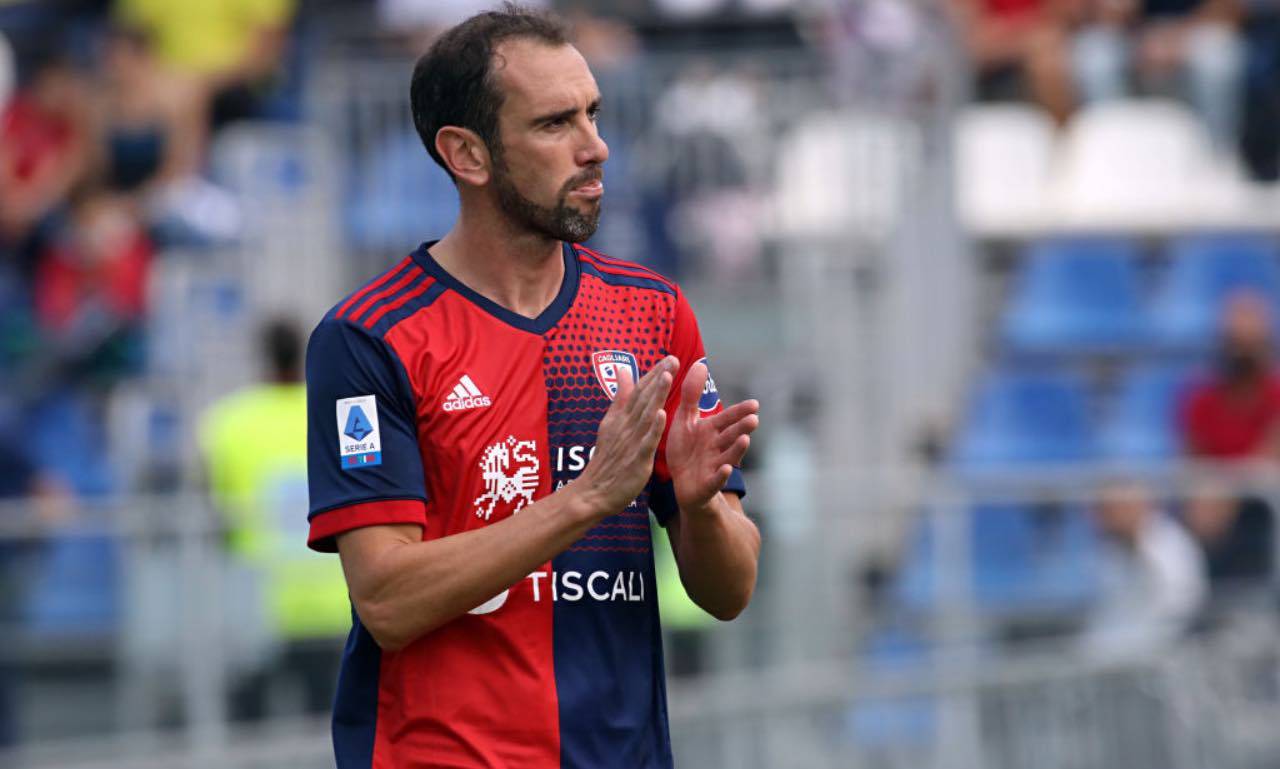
[[67, 284], [1008, 9], [33, 138], [1218, 423]]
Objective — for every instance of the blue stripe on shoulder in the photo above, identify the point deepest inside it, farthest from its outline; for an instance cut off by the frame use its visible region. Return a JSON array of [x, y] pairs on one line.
[[390, 276], [634, 281], [613, 261], [425, 299], [388, 299]]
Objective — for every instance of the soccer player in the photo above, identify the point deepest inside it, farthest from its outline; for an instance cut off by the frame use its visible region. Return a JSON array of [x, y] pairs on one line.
[[491, 421]]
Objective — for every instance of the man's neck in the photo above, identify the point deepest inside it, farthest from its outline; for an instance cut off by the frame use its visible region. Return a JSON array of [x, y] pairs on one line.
[[518, 270]]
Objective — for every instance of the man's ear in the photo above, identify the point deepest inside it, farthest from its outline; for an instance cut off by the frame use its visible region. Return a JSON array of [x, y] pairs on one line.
[[465, 154]]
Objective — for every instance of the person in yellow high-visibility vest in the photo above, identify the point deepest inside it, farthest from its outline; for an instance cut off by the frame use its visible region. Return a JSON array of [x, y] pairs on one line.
[[255, 449], [684, 623]]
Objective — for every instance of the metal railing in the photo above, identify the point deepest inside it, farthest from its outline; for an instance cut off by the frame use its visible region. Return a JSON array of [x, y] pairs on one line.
[[791, 677]]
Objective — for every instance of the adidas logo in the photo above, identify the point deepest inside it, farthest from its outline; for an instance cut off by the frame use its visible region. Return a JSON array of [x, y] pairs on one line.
[[465, 396]]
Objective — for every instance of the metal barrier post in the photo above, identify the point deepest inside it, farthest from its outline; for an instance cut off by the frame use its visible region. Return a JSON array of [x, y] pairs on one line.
[[956, 632], [202, 672]]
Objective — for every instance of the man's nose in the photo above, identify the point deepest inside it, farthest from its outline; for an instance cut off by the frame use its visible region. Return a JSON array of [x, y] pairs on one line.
[[594, 150]]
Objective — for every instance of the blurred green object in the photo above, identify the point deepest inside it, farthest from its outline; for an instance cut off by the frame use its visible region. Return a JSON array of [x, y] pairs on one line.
[[254, 442], [677, 610]]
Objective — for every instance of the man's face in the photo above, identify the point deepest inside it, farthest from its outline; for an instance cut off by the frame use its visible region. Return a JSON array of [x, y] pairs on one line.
[[1123, 510], [1246, 337], [547, 172]]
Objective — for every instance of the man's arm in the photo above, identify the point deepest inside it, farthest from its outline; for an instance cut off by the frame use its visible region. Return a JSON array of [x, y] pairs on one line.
[[716, 546], [403, 587], [717, 550]]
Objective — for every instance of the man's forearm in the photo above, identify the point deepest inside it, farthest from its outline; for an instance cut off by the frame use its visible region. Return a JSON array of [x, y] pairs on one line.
[[406, 589], [717, 550]]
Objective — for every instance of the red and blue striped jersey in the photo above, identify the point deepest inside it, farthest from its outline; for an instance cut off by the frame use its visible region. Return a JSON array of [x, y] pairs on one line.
[[430, 404]]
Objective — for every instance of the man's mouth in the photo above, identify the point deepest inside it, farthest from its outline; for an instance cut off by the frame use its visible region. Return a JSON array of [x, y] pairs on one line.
[[589, 185], [592, 189]]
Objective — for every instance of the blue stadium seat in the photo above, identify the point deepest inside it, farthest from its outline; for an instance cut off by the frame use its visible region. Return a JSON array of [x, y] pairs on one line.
[[74, 590], [1142, 423], [1026, 417], [65, 437], [399, 197], [1077, 295], [877, 723], [1205, 271], [1025, 559]]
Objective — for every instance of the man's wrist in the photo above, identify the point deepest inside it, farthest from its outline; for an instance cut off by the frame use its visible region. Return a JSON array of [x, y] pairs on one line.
[[582, 503], [712, 506]]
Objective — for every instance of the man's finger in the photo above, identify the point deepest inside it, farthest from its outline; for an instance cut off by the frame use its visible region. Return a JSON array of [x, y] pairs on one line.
[[625, 385], [734, 413], [744, 426], [649, 442], [723, 474], [654, 386], [691, 392], [736, 451]]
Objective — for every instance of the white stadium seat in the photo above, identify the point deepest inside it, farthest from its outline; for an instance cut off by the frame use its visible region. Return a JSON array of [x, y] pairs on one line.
[[845, 173], [1134, 164], [1004, 159]]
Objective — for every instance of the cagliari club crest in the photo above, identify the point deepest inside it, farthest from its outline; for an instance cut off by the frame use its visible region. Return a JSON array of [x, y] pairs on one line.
[[609, 365]]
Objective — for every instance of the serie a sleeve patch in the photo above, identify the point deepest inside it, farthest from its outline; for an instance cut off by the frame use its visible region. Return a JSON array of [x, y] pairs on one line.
[[359, 440]]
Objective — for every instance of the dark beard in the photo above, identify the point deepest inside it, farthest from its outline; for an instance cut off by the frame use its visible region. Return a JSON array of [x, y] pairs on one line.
[[560, 222], [1242, 365]]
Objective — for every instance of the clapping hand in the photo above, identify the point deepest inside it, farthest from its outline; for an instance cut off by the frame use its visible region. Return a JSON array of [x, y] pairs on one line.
[[701, 452]]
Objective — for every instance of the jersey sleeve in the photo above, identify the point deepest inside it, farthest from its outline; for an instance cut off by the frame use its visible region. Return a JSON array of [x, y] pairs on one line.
[[364, 466], [686, 344]]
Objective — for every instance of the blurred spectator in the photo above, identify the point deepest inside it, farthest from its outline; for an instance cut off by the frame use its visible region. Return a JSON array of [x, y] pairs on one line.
[[878, 46], [153, 130], [1019, 49], [706, 204], [233, 48], [152, 127], [1234, 415], [1235, 412], [1261, 131], [1236, 537], [90, 288], [1152, 576], [292, 606], [1188, 48], [45, 145]]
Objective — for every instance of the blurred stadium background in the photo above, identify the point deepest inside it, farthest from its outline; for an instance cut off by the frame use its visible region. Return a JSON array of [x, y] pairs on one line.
[[1005, 275]]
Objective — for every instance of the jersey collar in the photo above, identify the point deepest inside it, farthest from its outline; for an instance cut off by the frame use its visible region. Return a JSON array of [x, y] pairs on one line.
[[539, 325]]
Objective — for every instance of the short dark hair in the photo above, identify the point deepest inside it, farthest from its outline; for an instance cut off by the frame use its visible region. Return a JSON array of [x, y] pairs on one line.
[[453, 81], [281, 346]]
